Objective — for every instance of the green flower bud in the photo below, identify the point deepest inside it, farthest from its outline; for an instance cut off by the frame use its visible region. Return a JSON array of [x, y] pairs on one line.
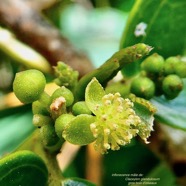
[[61, 123], [170, 64], [153, 64], [66, 76], [81, 108], [172, 86], [78, 131], [63, 92], [38, 108], [48, 135], [41, 120], [143, 87], [180, 69], [29, 85]]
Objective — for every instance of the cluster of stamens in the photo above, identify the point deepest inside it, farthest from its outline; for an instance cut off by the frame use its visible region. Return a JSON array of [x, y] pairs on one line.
[[116, 123]]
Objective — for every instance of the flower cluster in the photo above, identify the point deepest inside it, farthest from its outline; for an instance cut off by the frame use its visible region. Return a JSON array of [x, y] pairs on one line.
[[66, 76], [116, 123], [117, 120]]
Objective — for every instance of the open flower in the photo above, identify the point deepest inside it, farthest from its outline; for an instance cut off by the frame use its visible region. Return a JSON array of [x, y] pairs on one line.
[[116, 120]]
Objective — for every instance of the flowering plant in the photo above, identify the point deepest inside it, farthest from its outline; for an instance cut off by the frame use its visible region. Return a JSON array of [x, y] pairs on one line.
[[126, 115]]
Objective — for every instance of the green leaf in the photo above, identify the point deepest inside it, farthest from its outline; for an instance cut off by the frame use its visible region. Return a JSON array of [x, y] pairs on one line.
[[163, 31], [78, 130], [143, 112], [172, 112], [23, 168], [76, 182], [166, 28], [162, 176], [34, 144], [15, 126], [147, 119], [93, 94], [122, 5]]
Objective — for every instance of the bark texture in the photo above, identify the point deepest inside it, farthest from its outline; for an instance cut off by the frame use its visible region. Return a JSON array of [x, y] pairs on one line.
[[31, 27]]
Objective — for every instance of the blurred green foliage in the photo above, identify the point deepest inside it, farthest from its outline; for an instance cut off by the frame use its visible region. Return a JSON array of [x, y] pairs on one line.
[[97, 32]]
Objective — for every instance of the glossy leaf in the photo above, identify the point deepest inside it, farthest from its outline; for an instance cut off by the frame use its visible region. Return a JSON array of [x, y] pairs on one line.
[[163, 31], [161, 24], [122, 5], [172, 112], [23, 168], [33, 143], [160, 17], [15, 126]]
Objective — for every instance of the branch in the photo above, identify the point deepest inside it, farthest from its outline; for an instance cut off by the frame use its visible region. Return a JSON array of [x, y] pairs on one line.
[[41, 4], [32, 28]]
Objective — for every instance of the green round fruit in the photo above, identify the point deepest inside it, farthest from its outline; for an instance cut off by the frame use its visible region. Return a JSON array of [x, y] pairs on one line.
[[38, 108], [61, 123], [40, 120], [170, 65], [180, 69], [29, 85], [153, 64], [172, 86], [143, 87], [63, 92], [48, 135], [81, 108]]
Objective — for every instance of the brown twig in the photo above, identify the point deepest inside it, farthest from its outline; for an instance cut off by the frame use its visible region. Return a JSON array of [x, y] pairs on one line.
[[41, 4], [32, 28], [67, 155], [94, 165]]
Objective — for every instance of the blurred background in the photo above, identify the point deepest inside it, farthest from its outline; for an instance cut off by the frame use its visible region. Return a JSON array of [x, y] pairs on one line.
[[84, 34]]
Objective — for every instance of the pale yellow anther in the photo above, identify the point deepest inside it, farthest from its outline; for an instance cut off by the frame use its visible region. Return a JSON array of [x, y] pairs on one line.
[[121, 142], [115, 126], [119, 108], [96, 107], [106, 146], [107, 102], [107, 131], [104, 117], [92, 126], [117, 94]]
